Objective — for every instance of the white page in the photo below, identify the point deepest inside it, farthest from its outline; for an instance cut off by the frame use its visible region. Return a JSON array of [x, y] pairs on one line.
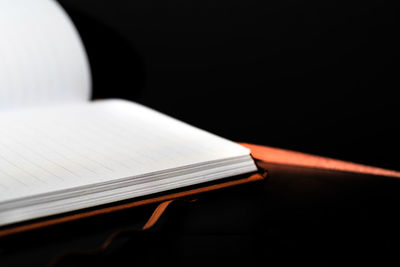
[[51, 149], [42, 59]]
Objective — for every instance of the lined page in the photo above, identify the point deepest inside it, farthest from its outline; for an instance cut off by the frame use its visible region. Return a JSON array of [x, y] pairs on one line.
[[42, 59], [50, 149]]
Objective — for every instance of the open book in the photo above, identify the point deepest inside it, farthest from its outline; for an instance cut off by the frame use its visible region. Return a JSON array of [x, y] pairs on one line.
[[60, 152]]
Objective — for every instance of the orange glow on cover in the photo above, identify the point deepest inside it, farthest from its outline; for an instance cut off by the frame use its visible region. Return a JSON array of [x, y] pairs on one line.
[[287, 157]]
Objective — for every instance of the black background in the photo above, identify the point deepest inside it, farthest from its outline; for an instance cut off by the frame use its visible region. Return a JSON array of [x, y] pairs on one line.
[[315, 76]]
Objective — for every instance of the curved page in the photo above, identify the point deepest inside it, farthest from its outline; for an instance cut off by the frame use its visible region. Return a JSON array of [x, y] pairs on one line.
[[42, 59]]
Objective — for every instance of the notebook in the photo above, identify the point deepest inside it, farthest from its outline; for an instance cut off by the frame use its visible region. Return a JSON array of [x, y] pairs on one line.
[[61, 152]]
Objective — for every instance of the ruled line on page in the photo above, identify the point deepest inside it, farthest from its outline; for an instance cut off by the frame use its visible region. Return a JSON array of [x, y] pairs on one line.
[[20, 155], [74, 141], [41, 155], [21, 169]]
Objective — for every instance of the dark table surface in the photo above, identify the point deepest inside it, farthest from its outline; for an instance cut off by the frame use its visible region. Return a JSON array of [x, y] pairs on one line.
[[296, 216]]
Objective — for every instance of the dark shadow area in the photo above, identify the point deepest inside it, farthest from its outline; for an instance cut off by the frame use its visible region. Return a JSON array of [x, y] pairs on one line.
[[117, 69], [298, 217]]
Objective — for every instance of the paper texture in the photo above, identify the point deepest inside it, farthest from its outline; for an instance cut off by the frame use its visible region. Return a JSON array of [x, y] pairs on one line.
[[51, 149], [42, 59]]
